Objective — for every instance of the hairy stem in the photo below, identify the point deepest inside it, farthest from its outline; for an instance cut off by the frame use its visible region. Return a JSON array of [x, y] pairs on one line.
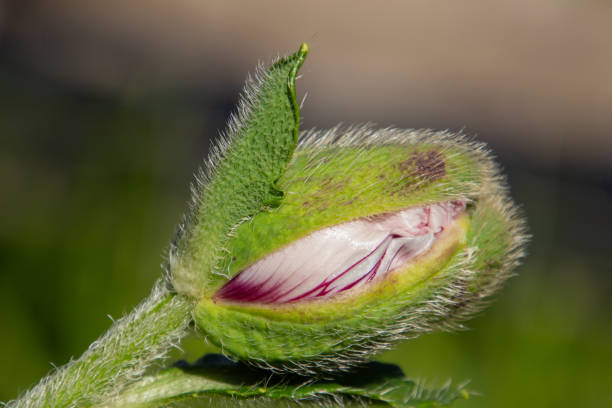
[[119, 357]]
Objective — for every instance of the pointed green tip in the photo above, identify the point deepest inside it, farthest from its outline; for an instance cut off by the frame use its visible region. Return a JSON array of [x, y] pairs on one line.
[[304, 48]]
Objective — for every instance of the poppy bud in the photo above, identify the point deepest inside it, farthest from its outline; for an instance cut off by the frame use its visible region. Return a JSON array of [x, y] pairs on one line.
[[355, 240]]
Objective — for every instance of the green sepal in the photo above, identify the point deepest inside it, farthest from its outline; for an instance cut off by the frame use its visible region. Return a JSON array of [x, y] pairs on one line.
[[242, 179]]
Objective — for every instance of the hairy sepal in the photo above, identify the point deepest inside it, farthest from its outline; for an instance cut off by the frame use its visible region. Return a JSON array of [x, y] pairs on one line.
[[240, 178], [338, 176]]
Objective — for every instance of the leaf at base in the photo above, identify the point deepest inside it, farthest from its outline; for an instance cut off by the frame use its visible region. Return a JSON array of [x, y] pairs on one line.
[[214, 380]]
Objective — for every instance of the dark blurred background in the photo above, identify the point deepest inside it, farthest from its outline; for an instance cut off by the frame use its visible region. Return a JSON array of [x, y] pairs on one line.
[[107, 108]]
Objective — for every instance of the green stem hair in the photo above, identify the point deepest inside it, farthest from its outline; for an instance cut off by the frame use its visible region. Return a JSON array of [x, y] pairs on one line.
[[119, 357]]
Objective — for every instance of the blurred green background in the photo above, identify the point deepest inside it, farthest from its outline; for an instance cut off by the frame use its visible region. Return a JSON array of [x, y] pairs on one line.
[[107, 108]]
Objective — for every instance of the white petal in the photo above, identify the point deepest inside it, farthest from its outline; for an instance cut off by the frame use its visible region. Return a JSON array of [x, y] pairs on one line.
[[342, 257]]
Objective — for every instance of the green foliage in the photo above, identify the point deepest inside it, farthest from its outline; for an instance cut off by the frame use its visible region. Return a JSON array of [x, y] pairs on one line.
[[216, 381]]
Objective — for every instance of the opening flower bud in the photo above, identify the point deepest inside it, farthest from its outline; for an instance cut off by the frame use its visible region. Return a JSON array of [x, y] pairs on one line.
[[372, 243], [312, 258]]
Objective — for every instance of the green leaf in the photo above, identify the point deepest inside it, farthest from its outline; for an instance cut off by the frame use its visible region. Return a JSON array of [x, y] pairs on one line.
[[217, 381]]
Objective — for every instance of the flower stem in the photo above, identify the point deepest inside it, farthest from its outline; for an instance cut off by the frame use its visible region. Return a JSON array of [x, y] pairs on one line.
[[117, 358]]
